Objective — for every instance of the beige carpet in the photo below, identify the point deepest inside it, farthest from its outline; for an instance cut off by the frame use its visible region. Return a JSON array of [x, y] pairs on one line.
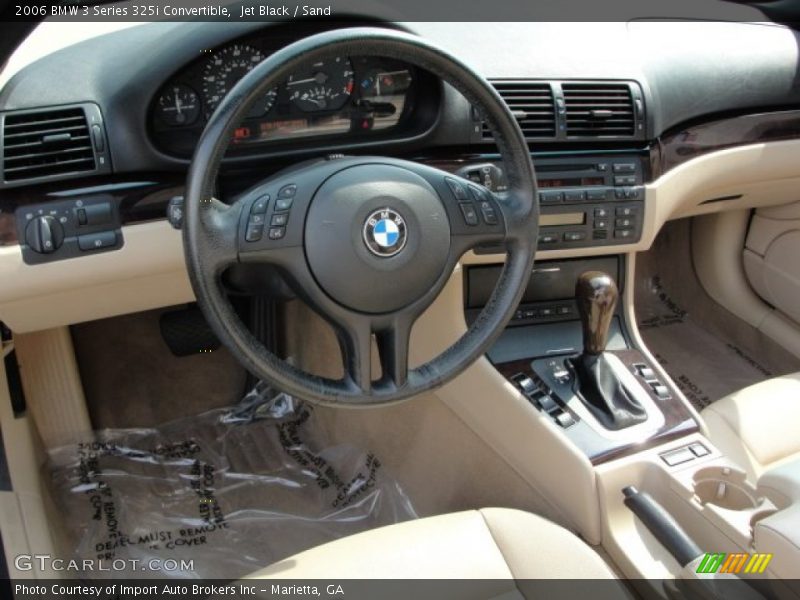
[[131, 379], [706, 349]]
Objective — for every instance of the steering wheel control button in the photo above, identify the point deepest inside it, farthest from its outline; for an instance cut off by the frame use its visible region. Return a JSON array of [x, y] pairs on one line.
[[385, 232], [254, 232], [458, 190], [279, 219], [283, 203], [96, 241], [287, 191], [260, 205], [469, 213], [488, 212], [276, 233]]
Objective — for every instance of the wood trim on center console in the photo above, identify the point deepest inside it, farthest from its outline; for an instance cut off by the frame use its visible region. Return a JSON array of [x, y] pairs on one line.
[[678, 420]]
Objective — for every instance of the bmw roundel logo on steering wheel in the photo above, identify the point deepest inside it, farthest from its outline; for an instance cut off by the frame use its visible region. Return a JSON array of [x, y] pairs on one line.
[[385, 232]]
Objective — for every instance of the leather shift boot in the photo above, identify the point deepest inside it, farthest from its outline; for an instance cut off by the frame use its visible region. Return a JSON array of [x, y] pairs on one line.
[[602, 392]]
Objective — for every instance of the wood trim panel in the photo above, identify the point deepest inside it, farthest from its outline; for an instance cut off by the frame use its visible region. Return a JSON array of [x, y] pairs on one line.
[[139, 199], [688, 142]]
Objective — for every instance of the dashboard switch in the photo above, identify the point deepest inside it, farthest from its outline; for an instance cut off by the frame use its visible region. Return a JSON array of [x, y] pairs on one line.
[[44, 235], [94, 214], [96, 241]]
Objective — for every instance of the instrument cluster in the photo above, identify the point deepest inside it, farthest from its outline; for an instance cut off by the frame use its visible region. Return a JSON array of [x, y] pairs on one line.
[[352, 95]]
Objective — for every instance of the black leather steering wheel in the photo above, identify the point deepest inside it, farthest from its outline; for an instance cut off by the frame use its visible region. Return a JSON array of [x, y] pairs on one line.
[[368, 242]]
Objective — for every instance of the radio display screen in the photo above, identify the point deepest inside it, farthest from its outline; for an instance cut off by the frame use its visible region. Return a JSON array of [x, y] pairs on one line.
[[562, 219], [570, 182]]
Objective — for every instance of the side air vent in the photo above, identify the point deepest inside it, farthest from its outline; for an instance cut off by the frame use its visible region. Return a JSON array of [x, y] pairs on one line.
[[52, 143], [532, 105], [599, 110]]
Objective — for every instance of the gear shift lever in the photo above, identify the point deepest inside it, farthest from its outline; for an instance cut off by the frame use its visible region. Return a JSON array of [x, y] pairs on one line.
[[596, 294], [597, 383]]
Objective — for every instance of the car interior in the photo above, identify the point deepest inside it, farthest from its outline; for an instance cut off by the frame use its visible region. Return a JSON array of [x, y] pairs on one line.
[[367, 299]]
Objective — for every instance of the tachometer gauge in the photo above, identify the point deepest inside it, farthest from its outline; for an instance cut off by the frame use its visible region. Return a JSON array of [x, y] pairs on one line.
[[325, 85], [225, 68], [178, 105]]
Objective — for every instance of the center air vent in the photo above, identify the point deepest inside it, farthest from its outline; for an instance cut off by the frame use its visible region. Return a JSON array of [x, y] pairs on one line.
[[532, 105], [599, 110], [51, 143]]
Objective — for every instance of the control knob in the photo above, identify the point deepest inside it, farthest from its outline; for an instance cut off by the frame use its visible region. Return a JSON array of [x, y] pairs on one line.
[[44, 234]]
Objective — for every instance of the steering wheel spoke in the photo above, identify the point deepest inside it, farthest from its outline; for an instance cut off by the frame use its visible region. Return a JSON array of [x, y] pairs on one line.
[[219, 223], [391, 336]]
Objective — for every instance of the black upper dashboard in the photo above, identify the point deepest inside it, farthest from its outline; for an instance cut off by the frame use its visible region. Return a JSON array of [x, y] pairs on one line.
[[153, 107]]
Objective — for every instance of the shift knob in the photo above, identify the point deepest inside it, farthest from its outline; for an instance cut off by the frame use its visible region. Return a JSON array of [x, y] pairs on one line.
[[596, 294]]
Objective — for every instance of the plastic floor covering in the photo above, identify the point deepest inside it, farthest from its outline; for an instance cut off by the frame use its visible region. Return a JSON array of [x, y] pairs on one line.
[[227, 492], [705, 367]]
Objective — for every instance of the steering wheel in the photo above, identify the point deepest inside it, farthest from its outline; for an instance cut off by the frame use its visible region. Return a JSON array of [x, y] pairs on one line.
[[368, 242]]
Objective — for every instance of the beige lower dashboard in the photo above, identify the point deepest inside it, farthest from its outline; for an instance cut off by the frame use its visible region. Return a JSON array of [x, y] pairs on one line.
[[149, 270]]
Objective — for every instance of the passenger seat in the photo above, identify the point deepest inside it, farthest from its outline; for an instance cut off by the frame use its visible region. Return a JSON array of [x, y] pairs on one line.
[[758, 427]]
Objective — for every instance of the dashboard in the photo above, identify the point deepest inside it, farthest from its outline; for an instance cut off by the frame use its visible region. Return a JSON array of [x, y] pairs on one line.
[[644, 107], [352, 96]]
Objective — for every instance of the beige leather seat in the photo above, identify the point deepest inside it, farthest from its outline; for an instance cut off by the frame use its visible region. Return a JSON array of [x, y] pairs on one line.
[[492, 543], [758, 427]]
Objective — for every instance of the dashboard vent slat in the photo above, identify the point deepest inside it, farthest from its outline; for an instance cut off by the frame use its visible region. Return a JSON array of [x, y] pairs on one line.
[[599, 110], [45, 143], [532, 105]]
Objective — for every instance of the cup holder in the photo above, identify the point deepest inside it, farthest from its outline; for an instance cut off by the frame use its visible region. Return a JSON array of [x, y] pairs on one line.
[[724, 487]]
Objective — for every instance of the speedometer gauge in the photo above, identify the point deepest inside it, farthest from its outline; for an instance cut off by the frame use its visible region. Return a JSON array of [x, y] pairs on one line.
[[325, 85], [225, 68]]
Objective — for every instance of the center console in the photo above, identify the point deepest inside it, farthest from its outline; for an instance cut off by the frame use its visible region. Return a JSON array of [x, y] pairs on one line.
[[569, 353]]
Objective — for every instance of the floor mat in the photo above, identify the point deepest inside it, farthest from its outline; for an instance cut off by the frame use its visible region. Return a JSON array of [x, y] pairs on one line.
[[221, 494], [708, 351], [704, 366]]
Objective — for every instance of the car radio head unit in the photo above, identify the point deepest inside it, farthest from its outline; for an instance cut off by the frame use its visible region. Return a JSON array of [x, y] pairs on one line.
[[584, 201]]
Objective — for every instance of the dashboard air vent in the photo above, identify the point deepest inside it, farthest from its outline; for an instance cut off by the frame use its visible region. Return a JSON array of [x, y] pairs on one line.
[[532, 105], [45, 143], [599, 109]]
